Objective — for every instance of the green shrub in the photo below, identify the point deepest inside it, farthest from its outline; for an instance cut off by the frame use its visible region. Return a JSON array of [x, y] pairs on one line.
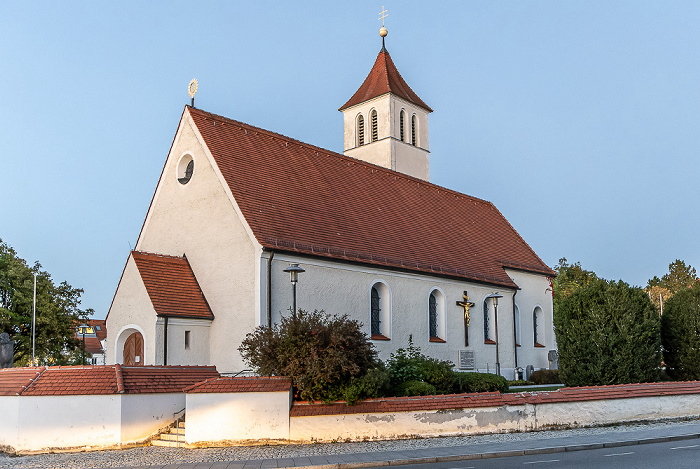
[[375, 383], [680, 334], [415, 388], [438, 374], [478, 382], [520, 382], [545, 377], [607, 333], [321, 353]]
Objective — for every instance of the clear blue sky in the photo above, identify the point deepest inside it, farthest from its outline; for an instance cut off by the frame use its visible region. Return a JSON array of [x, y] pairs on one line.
[[580, 120]]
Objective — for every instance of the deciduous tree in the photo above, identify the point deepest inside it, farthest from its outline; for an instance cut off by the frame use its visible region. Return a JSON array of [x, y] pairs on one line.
[[58, 312], [680, 334]]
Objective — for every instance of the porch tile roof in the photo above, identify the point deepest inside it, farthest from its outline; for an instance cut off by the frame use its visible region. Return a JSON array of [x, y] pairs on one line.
[[172, 286]]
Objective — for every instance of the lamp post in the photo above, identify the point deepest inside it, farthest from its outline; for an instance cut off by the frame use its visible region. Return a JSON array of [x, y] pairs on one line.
[[495, 297], [294, 271], [81, 330]]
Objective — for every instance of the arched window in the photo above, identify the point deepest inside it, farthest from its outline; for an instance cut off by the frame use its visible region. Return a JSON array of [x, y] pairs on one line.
[[380, 311], [487, 321], [538, 326], [374, 125], [360, 130], [436, 316], [414, 124], [402, 116], [432, 315], [376, 321]]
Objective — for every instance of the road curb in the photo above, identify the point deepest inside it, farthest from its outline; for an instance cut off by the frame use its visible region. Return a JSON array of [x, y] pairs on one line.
[[498, 454]]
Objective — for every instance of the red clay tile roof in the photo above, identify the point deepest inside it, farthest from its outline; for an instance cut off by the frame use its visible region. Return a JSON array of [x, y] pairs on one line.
[[255, 384], [303, 199], [102, 324], [384, 78], [152, 379], [172, 286], [92, 344], [13, 381], [101, 379], [495, 399]]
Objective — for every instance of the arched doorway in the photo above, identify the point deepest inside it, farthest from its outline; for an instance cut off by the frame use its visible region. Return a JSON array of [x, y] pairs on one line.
[[133, 350]]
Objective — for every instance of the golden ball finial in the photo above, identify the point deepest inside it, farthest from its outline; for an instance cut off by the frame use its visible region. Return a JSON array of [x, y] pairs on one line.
[[383, 32]]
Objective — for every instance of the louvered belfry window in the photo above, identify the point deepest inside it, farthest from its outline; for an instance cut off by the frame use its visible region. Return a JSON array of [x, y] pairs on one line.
[[375, 134], [360, 130], [375, 312], [432, 312], [413, 130], [402, 116]]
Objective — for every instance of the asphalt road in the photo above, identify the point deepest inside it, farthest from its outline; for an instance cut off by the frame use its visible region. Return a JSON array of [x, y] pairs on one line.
[[670, 455]]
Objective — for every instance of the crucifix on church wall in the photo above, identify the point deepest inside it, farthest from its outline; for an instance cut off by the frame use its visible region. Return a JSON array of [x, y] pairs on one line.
[[466, 304]]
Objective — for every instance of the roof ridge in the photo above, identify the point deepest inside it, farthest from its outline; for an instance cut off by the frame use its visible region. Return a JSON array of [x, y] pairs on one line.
[[157, 254], [39, 372], [342, 156]]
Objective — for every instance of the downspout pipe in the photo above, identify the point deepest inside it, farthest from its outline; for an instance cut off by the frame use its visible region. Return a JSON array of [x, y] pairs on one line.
[[165, 340], [515, 332], [269, 289]]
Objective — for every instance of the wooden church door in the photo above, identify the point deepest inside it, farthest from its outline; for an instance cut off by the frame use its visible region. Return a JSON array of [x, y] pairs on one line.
[[133, 350]]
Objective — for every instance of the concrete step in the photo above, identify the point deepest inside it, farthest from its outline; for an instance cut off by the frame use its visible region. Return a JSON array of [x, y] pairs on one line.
[[177, 431], [181, 425], [172, 437], [171, 444]]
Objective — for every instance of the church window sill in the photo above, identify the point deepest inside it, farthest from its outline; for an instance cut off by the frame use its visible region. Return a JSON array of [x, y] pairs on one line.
[[379, 337], [437, 340], [490, 342], [539, 345]]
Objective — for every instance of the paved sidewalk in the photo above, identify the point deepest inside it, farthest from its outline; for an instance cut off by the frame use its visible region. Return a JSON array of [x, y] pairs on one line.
[[455, 453]]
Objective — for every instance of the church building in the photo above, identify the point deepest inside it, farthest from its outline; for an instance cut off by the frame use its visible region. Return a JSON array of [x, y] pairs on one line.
[[237, 205]]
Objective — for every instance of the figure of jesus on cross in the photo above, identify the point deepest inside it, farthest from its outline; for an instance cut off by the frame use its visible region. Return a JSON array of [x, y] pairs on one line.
[[466, 304]]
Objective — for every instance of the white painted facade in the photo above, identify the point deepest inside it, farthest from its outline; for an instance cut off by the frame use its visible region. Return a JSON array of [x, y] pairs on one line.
[[238, 416], [201, 220], [39, 423], [389, 150]]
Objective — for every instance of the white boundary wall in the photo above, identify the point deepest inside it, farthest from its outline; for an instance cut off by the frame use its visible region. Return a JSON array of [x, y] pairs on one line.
[[35, 423], [237, 416]]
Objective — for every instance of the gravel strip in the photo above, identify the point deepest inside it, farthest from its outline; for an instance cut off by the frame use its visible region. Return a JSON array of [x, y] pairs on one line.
[[154, 455]]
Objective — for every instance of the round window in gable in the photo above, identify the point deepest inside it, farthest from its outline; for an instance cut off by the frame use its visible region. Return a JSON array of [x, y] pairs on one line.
[[185, 169]]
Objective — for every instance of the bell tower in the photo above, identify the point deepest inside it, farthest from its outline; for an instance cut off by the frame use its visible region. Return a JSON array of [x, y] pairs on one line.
[[386, 123]]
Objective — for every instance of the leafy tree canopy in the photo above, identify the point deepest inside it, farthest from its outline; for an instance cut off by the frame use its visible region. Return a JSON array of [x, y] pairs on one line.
[[57, 312], [570, 277], [679, 276], [680, 334], [607, 333]]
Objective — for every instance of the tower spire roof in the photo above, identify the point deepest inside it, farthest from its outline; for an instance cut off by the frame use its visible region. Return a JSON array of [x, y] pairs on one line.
[[384, 78]]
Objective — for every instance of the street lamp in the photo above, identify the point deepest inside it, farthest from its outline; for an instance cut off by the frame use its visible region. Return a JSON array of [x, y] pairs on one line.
[[495, 297], [294, 271], [82, 329]]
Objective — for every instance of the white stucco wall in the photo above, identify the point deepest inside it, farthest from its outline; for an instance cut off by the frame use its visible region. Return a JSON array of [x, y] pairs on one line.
[[389, 150], [344, 289], [131, 310], [198, 352], [237, 416], [534, 292], [68, 421], [411, 424], [609, 411], [9, 409], [200, 220], [142, 415]]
